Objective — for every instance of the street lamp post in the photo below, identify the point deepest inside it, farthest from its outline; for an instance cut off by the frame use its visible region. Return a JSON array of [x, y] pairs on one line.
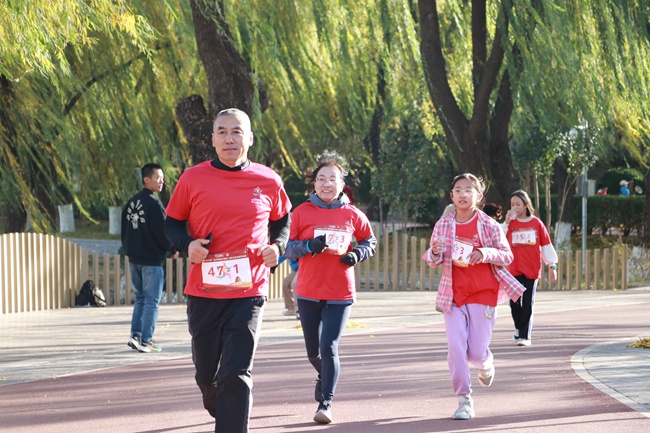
[[585, 183]]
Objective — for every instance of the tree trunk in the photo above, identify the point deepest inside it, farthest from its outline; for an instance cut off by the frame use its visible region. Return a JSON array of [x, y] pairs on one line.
[[479, 144], [231, 83], [66, 218], [644, 237], [564, 205], [13, 212], [501, 167], [373, 143], [15, 219], [114, 220]]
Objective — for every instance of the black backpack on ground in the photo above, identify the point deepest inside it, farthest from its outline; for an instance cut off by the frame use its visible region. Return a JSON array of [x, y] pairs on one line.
[[85, 298]]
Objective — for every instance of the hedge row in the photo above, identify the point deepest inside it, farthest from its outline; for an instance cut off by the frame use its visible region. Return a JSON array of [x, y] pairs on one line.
[[603, 212]]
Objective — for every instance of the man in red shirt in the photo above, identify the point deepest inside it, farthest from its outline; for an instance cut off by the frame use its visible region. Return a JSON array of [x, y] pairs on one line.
[[237, 215]]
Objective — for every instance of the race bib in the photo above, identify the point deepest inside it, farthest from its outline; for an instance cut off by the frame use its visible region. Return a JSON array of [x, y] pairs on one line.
[[337, 239], [226, 271], [524, 237], [461, 251]]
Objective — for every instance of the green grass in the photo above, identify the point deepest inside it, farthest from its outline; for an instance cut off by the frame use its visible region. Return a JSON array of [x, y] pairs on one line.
[[86, 229]]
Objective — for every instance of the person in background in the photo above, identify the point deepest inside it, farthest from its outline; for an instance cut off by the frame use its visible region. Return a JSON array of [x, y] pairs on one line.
[[237, 214], [531, 245], [624, 190], [494, 211], [145, 245], [447, 210], [347, 190], [602, 190], [322, 230], [474, 253], [289, 288]]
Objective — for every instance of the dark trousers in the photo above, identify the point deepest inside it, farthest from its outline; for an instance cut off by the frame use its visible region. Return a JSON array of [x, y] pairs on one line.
[[522, 310], [224, 338], [323, 348]]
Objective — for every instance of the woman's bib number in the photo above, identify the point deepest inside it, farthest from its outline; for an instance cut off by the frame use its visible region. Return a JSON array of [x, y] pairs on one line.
[[226, 271], [524, 237], [337, 239]]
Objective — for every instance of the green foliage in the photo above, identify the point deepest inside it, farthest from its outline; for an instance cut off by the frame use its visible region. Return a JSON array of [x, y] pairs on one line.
[[37, 38], [608, 211], [319, 61], [581, 61], [413, 170], [603, 212], [91, 89], [91, 101]]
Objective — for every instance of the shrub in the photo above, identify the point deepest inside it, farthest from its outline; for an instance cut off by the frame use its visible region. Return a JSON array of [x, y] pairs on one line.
[[603, 212]]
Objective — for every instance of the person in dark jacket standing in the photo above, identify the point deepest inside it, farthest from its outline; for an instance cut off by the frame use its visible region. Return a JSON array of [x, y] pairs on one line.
[[144, 242]]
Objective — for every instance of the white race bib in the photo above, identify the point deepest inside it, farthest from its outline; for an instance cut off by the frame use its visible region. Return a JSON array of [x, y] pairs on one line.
[[226, 271], [524, 237], [461, 251], [337, 239]]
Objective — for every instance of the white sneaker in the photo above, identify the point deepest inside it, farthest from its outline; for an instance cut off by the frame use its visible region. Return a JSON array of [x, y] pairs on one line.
[[465, 408], [515, 336], [324, 413], [523, 342], [486, 377], [287, 312]]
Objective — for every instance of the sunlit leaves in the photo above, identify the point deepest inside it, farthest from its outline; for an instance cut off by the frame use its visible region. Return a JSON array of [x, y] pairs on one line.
[[94, 86], [581, 60]]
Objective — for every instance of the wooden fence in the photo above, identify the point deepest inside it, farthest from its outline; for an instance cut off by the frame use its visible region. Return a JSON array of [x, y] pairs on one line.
[[42, 272]]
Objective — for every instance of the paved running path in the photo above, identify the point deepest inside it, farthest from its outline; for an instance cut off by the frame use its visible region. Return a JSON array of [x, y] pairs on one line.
[[394, 380]]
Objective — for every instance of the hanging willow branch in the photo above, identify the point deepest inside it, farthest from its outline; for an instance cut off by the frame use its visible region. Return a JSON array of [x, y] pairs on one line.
[[119, 68]]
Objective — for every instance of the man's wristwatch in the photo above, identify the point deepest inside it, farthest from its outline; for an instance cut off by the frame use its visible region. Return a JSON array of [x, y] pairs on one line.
[[553, 266]]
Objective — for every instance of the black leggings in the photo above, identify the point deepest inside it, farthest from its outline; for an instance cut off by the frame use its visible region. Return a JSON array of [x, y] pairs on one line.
[[522, 310], [323, 349]]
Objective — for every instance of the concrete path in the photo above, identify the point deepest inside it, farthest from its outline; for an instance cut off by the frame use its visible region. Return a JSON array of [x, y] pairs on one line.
[[71, 371]]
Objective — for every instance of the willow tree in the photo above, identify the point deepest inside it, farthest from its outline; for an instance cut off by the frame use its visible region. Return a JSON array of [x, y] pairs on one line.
[[323, 76], [595, 73], [85, 103], [561, 63], [474, 109], [320, 71]]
